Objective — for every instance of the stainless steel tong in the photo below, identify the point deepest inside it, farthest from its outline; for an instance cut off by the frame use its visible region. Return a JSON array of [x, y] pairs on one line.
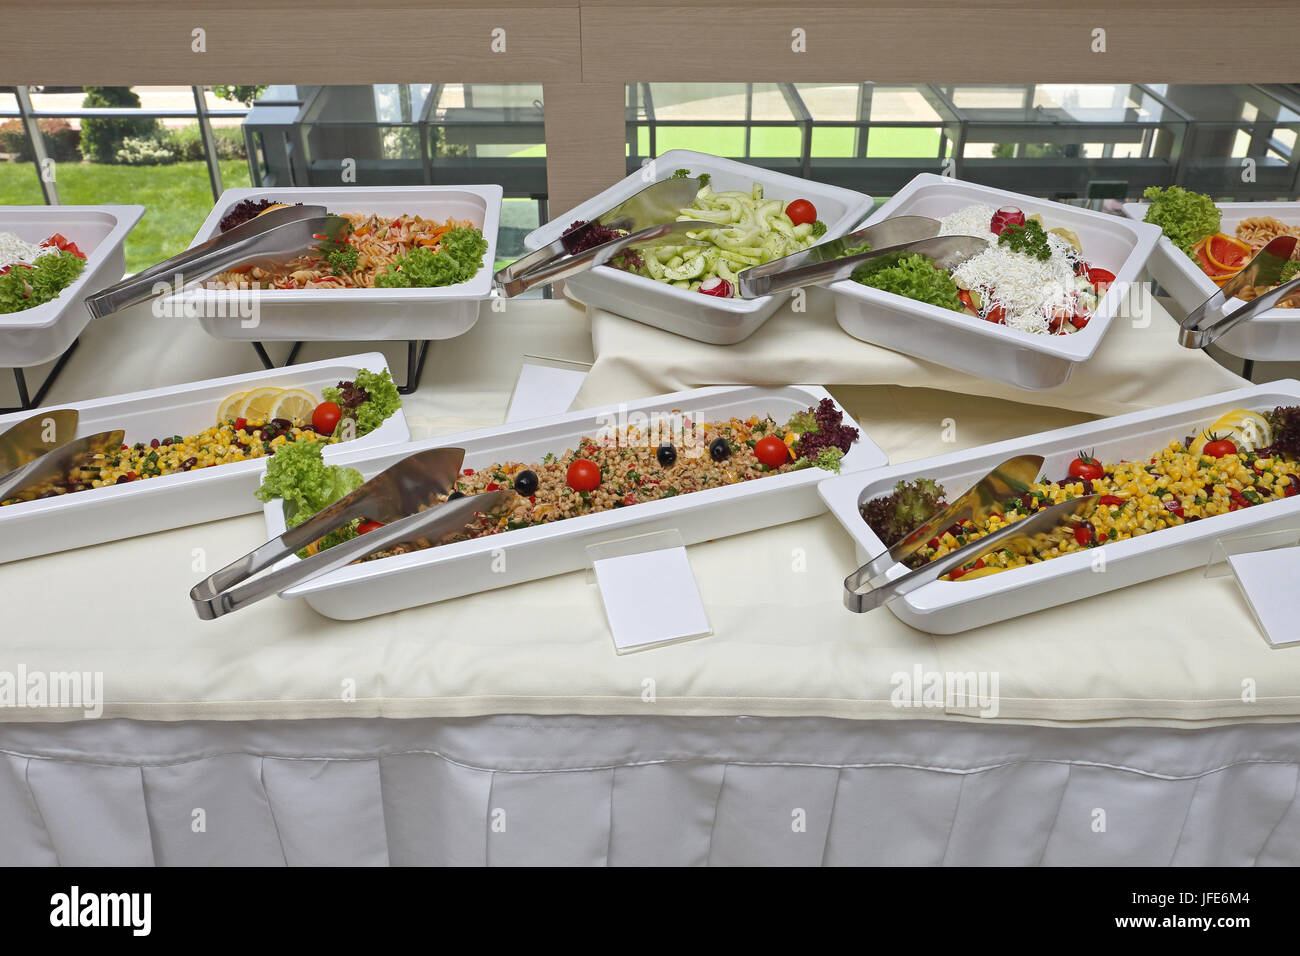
[[268, 240], [27, 481], [655, 207], [770, 277], [29, 439], [1264, 269], [403, 496], [1010, 479], [815, 267], [1042, 529]]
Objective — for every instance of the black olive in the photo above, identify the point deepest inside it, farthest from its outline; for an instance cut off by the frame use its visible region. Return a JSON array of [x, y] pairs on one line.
[[526, 482], [666, 454], [455, 494], [719, 450]]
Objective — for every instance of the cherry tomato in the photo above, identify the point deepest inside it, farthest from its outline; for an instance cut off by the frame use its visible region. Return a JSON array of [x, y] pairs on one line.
[[326, 417], [1079, 319], [716, 286], [771, 451], [996, 314], [583, 475], [955, 573], [1110, 500], [1083, 536], [967, 301], [1219, 447], [1085, 466], [801, 211], [240, 425], [368, 525]]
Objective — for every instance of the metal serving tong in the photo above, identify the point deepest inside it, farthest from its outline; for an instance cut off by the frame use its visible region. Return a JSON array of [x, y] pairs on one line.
[[1042, 529], [25, 441], [813, 266], [768, 278], [1011, 479], [668, 233], [268, 240], [1263, 270], [26, 481], [659, 204], [403, 496]]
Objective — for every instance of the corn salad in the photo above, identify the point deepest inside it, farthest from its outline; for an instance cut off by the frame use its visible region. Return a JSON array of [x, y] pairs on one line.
[[1173, 488], [219, 445]]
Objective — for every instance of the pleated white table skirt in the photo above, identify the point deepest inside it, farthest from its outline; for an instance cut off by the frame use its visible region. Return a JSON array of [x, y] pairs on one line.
[[510, 790]]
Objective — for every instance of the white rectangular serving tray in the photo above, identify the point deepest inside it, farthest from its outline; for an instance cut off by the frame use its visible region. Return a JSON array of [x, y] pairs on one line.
[[40, 334], [947, 607], [1271, 336], [370, 315], [96, 515], [967, 344], [466, 567], [703, 317]]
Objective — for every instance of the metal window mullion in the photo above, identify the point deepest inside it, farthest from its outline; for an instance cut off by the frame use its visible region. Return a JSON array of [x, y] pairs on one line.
[[49, 188], [209, 142], [794, 100]]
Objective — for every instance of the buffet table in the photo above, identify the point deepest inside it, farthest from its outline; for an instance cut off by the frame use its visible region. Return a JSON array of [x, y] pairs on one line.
[[502, 728]]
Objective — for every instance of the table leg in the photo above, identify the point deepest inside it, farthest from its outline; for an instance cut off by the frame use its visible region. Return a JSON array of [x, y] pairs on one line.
[[267, 363], [27, 401]]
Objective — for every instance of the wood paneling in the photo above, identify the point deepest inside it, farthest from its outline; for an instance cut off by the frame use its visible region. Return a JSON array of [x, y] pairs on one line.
[[583, 51], [585, 140], [128, 43]]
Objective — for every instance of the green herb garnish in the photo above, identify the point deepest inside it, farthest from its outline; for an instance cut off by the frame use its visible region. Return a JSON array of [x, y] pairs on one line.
[[1028, 238]]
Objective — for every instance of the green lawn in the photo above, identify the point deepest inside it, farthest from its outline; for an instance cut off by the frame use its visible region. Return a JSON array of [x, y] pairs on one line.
[[176, 198], [769, 141]]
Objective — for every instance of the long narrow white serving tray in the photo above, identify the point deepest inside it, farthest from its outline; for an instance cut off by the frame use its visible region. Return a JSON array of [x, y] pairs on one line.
[[968, 344], [947, 607], [37, 335], [703, 317], [465, 567], [1271, 336], [170, 501], [369, 315]]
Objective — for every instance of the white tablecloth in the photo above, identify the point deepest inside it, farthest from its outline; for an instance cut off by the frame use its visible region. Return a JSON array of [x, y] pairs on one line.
[[475, 678], [515, 790]]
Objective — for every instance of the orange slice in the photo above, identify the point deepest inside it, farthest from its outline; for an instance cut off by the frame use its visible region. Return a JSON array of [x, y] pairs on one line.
[[1226, 253]]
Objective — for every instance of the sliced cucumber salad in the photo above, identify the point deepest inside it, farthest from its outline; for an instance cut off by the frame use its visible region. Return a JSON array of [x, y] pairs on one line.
[[751, 230]]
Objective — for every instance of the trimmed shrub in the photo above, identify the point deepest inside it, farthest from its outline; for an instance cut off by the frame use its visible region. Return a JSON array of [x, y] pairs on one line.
[[61, 140], [139, 151], [102, 137], [189, 145]]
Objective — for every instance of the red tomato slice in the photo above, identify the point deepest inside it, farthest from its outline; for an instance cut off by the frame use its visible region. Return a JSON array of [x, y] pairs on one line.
[[1099, 277]]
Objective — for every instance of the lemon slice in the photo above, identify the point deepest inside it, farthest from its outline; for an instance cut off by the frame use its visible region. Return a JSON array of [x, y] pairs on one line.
[[1246, 429], [257, 403], [294, 404], [229, 408]]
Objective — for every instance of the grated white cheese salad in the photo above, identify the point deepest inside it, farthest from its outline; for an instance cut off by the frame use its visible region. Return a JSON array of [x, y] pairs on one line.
[[14, 250], [1055, 295]]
